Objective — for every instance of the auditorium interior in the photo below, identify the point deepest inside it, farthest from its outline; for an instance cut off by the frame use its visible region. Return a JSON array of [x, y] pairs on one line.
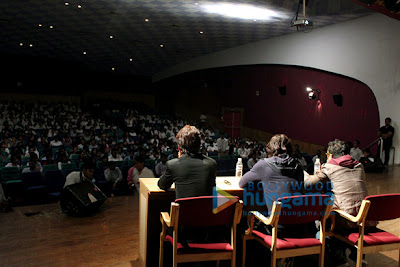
[[100, 89]]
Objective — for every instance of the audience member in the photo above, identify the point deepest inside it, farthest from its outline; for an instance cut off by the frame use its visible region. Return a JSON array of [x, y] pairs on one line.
[[161, 166], [355, 151], [138, 171], [252, 161], [113, 176], [86, 173]]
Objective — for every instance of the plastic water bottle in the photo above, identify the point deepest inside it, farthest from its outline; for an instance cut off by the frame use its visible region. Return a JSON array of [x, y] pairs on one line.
[[239, 168], [317, 166]]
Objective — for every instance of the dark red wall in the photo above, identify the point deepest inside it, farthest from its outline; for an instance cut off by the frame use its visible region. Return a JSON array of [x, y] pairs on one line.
[[293, 114]]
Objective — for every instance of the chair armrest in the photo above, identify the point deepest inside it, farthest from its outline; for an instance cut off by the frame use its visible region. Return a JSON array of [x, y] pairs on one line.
[[273, 218], [262, 218], [165, 219], [362, 213], [347, 216]]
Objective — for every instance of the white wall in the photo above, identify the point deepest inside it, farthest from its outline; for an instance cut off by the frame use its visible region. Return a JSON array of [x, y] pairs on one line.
[[367, 49]]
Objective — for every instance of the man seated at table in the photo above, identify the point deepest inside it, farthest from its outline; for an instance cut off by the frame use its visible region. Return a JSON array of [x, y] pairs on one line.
[[346, 176], [193, 173]]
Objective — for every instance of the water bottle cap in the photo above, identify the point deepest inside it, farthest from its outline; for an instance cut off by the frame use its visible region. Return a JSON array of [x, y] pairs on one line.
[[239, 159]]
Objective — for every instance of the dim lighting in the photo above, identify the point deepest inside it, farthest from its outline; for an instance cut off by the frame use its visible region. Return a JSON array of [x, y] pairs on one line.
[[84, 53], [66, 3], [146, 19], [79, 6], [30, 45], [21, 44], [131, 59], [161, 45], [112, 68], [201, 32], [111, 36]]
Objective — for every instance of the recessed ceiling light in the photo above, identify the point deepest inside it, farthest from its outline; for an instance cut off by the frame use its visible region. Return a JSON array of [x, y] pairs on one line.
[[112, 68], [161, 45], [84, 52], [196, 4], [21, 44], [40, 25], [79, 6], [51, 26], [243, 11], [146, 19], [131, 59], [201, 32], [111, 36], [30, 45], [66, 3]]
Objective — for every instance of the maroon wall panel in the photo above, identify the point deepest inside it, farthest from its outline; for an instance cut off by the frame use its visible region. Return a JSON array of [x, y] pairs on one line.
[[294, 114]]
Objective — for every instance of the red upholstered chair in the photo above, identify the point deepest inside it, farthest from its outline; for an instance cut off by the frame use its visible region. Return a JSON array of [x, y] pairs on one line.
[[373, 208], [198, 212], [292, 210]]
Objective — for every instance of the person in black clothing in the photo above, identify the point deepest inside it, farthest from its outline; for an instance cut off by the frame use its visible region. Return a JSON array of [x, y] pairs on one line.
[[371, 163], [386, 132], [194, 175]]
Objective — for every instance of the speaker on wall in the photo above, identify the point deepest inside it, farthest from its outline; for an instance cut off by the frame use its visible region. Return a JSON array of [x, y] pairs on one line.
[[338, 100], [282, 90]]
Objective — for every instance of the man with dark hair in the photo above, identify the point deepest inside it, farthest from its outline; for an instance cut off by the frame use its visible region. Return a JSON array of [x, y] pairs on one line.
[[86, 173], [193, 173], [280, 169], [386, 132]]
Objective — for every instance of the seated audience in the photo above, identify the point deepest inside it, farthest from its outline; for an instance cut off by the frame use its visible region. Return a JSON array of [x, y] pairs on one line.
[[113, 176], [371, 163], [355, 151], [252, 161], [138, 171], [85, 174], [114, 156], [161, 166]]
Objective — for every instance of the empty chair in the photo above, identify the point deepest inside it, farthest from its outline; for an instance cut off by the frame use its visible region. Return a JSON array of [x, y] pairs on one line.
[[34, 185], [197, 212], [373, 208], [10, 175], [54, 181], [51, 167], [67, 166], [292, 210]]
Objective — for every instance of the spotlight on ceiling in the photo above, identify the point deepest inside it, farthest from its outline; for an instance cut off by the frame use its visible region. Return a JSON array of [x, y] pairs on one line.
[[313, 94], [243, 11]]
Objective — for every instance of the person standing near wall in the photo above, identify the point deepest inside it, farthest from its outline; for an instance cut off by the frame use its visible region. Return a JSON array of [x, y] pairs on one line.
[[386, 132]]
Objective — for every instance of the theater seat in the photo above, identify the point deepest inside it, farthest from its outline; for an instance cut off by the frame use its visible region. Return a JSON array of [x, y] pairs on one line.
[[373, 208], [288, 246], [197, 212]]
